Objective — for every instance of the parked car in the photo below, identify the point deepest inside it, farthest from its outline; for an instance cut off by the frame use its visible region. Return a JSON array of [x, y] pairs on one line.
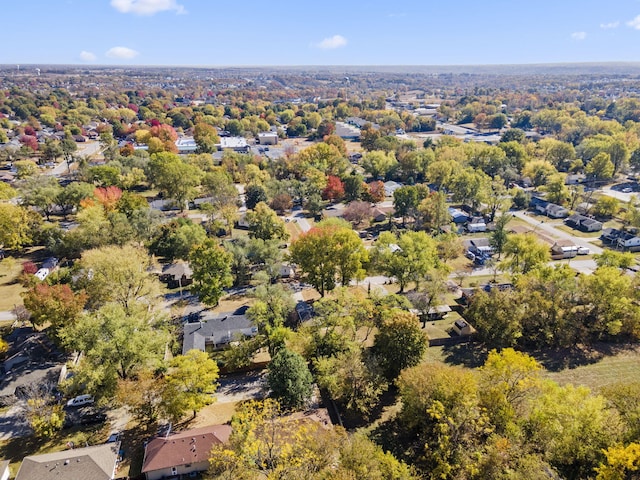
[[583, 251], [80, 400]]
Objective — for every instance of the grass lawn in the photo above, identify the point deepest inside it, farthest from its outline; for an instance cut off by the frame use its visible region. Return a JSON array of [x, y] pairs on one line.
[[619, 367], [578, 233], [10, 288], [440, 328]]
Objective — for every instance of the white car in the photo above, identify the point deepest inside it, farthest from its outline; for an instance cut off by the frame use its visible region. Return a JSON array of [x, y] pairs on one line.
[[627, 190], [583, 251], [80, 401]]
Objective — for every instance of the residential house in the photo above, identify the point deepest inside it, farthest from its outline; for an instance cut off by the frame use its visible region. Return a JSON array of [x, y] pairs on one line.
[[182, 454], [390, 187], [575, 179], [583, 223], [217, 331], [563, 249], [99, 462], [458, 216], [177, 274], [304, 311], [556, 211], [628, 241], [287, 270], [480, 246], [4, 470], [609, 236], [538, 204], [477, 224]]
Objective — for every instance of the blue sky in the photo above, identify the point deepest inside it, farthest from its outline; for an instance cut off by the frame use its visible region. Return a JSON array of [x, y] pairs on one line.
[[330, 32]]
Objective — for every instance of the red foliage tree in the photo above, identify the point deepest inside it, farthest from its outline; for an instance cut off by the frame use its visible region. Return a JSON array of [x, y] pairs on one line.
[[29, 141], [127, 150], [375, 191], [164, 132], [29, 268], [334, 189], [108, 197], [29, 130]]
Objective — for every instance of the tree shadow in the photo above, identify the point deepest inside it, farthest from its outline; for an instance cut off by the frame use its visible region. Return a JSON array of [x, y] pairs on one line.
[[555, 360], [469, 354]]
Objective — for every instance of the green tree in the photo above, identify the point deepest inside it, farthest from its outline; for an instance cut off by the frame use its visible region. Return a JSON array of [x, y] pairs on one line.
[[265, 224], [399, 343], [524, 252], [15, 226], [206, 137], [211, 265], [351, 379], [116, 345], [378, 163], [289, 379], [500, 235], [174, 177], [497, 316], [606, 206], [407, 258], [612, 258], [601, 167], [572, 427], [434, 211], [56, 305], [440, 406], [190, 383], [177, 238], [254, 194], [41, 192], [120, 275], [329, 253], [509, 380]]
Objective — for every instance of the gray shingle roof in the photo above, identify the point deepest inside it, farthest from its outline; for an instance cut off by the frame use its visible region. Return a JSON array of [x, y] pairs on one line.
[[90, 463], [218, 330]]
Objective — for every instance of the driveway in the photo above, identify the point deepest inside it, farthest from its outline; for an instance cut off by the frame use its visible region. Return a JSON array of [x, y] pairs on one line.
[[242, 386], [13, 424]]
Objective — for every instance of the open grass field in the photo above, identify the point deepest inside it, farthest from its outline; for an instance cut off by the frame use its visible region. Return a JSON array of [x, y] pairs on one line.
[[622, 366], [10, 288]]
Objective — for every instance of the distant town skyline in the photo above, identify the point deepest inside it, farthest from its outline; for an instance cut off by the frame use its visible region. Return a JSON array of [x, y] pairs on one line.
[[215, 33]]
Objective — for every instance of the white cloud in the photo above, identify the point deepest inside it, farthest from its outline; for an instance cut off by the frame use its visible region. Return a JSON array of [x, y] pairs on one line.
[[609, 25], [122, 53], [87, 56], [635, 23], [329, 43], [147, 7], [579, 35]]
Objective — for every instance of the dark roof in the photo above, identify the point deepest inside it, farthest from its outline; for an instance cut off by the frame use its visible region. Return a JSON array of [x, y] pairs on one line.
[[191, 446], [89, 463], [218, 330]]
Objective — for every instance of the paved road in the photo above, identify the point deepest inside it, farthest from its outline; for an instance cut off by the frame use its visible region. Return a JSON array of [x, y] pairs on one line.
[[557, 233], [622, 196]]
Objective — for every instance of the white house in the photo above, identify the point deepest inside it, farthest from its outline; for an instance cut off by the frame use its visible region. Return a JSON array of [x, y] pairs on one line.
[[477, 224]]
